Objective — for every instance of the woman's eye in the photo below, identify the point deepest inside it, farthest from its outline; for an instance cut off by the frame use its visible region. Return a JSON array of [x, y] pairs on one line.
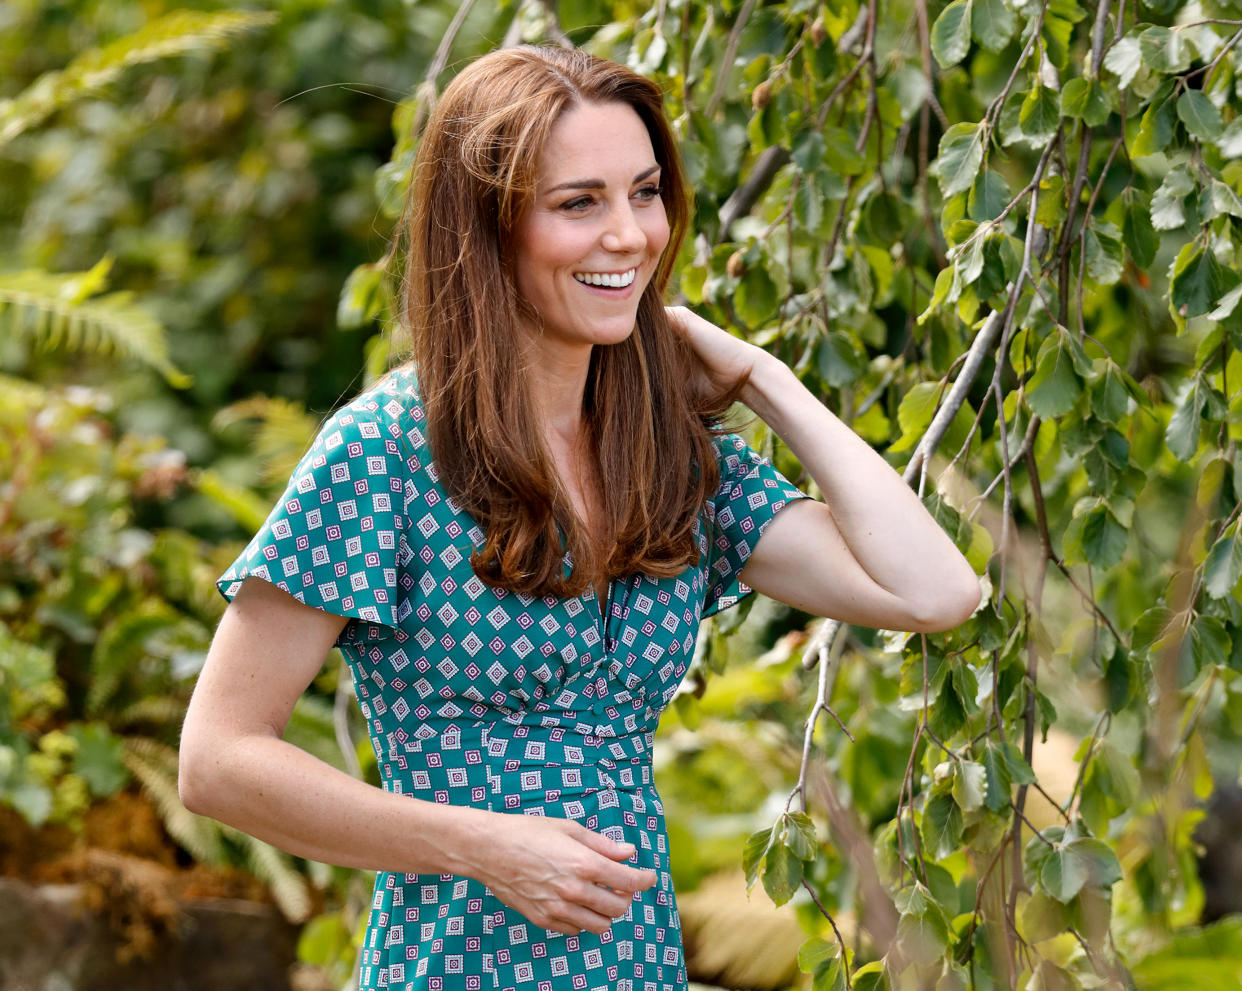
[[649, 193], [580, 203]]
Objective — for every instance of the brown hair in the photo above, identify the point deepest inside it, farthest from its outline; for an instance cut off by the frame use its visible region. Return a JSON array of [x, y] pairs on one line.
[[474, 176]]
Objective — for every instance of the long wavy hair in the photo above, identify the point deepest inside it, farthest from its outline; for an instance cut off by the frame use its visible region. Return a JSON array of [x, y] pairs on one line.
[[648, 433]]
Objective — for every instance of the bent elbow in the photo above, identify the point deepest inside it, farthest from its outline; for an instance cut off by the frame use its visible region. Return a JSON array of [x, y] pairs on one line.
[[193, 782], [950, 606]]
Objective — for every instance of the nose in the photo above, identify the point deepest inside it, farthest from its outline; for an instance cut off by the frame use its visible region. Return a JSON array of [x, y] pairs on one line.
[[624, 233]]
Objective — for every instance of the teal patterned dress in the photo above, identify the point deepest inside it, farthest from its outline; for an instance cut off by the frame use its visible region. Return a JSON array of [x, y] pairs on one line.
[[474, 695]]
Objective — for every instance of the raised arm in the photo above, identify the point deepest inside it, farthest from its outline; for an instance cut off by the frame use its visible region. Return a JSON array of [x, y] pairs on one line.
[[236, 768], [870, 553]]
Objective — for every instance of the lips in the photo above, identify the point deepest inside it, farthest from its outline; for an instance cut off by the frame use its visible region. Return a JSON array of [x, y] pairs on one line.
[[608, 280]]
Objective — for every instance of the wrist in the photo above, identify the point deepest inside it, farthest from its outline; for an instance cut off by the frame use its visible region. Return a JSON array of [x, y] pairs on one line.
[[463, 837], [769, 377]]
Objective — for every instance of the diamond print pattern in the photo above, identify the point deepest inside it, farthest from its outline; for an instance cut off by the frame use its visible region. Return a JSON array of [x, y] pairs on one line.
[[517, 704]]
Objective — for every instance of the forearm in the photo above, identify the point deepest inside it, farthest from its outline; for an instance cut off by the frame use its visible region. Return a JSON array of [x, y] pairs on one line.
[[272, 790], [882, 521]]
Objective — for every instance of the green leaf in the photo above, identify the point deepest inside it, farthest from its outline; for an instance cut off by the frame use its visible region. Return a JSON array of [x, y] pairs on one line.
[[915, 413], [1199, 280], [363, 298], [839, 153], [799, 833], [1105, 255], [1230, 140], [1055, 386], [97, 759], [1019, 770], [1166, 205], [816, 952], [1115, 774], [808, 150], [782, 873], [969, 785], [1222, 200], [1040, 115], [1207, 645], [1064, 874], [839, 358], [923, 938], [1155, 129], [961, 154], [998, 780], [1095, 537], [1182, 434], [1200, 115], [942, 825], [1074, 97], [1152, 631], [1140, 238], [988, 196], [756, 297], [1223, 568], [992, 23], [950, 34], [1043, 917], [1164, 50], [1110, 400], [752, 856], [1124, 60]]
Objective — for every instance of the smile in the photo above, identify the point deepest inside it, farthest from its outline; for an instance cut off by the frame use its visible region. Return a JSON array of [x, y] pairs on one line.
[[610, 280]]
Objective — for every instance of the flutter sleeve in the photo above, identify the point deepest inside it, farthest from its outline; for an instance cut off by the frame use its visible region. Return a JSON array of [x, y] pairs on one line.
[[750, 495], [335, 539]]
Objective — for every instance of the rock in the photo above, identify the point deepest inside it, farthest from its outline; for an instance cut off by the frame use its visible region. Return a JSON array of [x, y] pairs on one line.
[[50, 940]]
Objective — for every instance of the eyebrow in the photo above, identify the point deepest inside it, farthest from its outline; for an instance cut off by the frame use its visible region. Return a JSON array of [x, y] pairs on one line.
[[597, 183]]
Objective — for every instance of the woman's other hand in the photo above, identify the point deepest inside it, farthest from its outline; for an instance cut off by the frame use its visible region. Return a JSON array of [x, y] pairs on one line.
[[723, 358], [558, 874]]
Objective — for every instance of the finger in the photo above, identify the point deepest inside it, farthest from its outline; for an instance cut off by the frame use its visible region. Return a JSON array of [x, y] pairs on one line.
[[573, 919], [605, 901], [605, 845], [624, 878]]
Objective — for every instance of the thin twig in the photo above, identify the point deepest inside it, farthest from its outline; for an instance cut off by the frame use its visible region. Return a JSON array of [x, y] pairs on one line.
[[726, 63]]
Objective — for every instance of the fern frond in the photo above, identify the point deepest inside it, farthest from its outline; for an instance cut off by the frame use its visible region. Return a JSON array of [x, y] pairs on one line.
[[158, 710], [54, 311], [154, 766], [120, 645], [237, 500], [275, 869], [284, 433], [175, 33]]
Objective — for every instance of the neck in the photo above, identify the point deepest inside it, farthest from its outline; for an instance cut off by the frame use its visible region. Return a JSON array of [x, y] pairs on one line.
[[558, 384]]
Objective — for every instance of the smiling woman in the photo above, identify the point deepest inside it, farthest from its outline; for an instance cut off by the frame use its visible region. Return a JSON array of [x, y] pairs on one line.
[[513, 538], [587, 247]]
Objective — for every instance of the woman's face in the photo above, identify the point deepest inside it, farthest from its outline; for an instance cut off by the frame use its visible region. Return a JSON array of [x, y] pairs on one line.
[[591, 240]]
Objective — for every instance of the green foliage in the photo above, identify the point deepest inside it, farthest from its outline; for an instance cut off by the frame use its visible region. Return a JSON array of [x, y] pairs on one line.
[[1054, 184]]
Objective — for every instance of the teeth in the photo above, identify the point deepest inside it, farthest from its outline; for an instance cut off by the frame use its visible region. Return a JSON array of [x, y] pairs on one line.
[[613, 280]]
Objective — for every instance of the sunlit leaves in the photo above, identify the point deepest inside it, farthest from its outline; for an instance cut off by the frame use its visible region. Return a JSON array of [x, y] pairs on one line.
[[1199, 280], [1058, 379], [992, 23], [822, 959], [1199, 114], [1164, 49], [1124, 59], [1137, 232], [779, 854], [1167, 210], [961, 154], [950, 34], [1223, 569], [1040, 115]]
